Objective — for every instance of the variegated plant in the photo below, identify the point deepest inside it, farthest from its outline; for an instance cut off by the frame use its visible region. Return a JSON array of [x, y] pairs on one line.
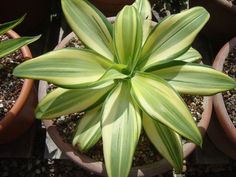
[[9, 46], [128, 76]]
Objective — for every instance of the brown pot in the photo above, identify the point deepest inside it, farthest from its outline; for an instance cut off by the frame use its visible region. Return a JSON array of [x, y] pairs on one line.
[[21, 116], [222, 124], [86, 162], [221, 26]]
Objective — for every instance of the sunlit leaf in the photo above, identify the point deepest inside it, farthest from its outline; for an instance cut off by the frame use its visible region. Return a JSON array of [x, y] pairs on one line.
[[121, 126], [160, 101], [89, 131], [173, 36], [194, 79], [9, 46], [90, 25], [166, 141], [128, 36], [65, 101], [68, 68]]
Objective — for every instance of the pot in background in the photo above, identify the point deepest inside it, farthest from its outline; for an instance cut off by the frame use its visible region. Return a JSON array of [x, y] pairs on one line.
[[221, 26], [221, 130], [21, 116]]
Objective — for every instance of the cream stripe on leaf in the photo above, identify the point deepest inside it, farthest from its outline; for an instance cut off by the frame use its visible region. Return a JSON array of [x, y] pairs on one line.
[[9, 25], [65, 101], [195, 79], [144, 8], [128, 36], [161, 102], [88, 131], [191, 55], [68, 68], [90, 25], [166, 141], [8, 46], [121, 126], [173, 36]]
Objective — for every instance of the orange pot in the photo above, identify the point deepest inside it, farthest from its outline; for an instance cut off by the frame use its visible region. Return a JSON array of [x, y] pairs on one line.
[[21, 116]]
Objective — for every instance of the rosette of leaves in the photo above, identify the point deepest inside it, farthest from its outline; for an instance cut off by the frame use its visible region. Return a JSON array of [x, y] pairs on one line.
[[128, 77], [9, 46]]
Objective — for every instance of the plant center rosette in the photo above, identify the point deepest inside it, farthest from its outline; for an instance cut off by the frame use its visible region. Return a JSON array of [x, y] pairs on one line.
[[129, 76]]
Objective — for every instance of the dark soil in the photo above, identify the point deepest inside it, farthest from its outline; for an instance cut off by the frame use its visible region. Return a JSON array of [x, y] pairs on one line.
[[10, 86], [145, 152], [230, 96], [163, 8]]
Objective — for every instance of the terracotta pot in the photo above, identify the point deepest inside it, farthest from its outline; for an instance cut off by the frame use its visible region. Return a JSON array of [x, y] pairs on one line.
[[21, 116], [86, 162], [222, 124], [221, 26], [37, 18]]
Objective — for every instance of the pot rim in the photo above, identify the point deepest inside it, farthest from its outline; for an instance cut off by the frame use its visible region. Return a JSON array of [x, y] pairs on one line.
[[218, 101], [86, 162], [24, 93]]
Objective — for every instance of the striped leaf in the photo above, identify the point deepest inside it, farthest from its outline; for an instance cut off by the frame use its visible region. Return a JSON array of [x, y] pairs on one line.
[[191, 55], [65, 101], [68, 68], [144, 8], [173, 36], [166, 141], [195, 79], [121, 126], [9, 46], [10, 25], [89, 131], [160, 101], [90, 25], [128, 36]]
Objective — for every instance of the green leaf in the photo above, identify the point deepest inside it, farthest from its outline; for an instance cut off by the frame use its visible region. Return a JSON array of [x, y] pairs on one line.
[[161, 102], [65, 101], [9, 25], [195, 79], [173, 36], [68, 68], [128, 36], [191, 55], [9, 46], [144, 8], [90, 25], [89, 131], [166, 141], [121, 126]]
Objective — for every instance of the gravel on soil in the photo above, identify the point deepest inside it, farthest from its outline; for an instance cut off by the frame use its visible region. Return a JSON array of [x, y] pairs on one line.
[[10, 86], [230, 96], [145, 152]]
